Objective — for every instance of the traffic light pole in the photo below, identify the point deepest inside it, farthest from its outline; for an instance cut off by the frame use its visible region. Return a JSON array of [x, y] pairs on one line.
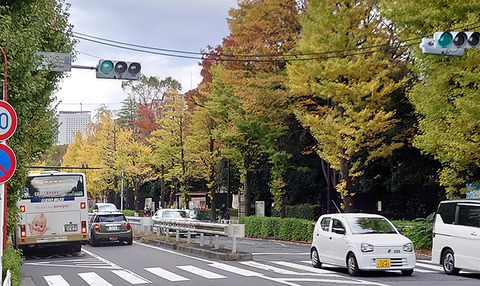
[[83, 67]]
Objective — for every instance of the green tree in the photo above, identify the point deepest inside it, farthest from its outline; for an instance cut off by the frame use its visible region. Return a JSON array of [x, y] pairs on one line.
[[146, 96], [203, 151], [345, 97], [168, 142], [446, 95], [257, 107], [28, 27]]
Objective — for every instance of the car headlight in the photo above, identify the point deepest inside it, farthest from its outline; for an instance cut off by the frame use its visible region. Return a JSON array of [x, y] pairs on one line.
[[365, 247], [408, 247]]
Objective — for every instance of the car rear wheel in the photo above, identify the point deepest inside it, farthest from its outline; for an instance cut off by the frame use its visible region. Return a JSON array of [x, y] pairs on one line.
[[315, 258], [448, 262], [93, 241], [352, 265], [130, 241]]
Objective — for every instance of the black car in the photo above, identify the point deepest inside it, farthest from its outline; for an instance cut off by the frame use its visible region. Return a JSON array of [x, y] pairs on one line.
[[110, 227]]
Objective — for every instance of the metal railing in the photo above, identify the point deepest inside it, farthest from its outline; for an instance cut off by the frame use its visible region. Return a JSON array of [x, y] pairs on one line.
[[190, 229]]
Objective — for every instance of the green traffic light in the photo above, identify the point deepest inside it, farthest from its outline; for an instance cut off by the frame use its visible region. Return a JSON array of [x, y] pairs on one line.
[[106, 67], [445, 40]]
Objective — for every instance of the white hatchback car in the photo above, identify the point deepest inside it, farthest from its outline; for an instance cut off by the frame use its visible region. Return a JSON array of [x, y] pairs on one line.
[[361, 242]]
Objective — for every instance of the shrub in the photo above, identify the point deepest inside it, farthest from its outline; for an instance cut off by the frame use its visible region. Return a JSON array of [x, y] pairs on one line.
[[286, 228], [12, 260], [420, 231], [128, 212]]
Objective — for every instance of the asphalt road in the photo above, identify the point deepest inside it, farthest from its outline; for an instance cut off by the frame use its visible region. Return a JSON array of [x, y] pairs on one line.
[[274, 263]]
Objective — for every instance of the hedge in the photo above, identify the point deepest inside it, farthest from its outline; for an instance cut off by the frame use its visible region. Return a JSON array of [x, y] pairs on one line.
[[278, 228]]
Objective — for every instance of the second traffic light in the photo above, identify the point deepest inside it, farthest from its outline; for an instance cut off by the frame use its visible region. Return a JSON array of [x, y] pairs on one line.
[[118, 69], [450, 43]]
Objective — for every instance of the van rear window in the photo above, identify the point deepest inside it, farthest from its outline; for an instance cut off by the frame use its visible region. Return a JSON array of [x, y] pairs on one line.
[[447, 212]]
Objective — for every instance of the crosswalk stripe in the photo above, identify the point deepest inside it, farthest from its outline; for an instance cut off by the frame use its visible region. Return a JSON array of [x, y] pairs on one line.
[[269, 268], [55, 280], [93, 279], [201, 272], [430, 266], [170, 276], [130, 277], [305, 268], [236, 270]]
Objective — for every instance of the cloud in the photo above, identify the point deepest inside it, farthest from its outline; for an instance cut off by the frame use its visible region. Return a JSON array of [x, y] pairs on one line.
[[187, 25]]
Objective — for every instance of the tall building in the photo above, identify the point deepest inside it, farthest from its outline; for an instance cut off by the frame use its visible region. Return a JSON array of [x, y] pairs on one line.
[[70, 123]]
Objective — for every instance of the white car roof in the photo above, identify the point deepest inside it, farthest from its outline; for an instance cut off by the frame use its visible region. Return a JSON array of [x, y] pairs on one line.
[[350, 215]]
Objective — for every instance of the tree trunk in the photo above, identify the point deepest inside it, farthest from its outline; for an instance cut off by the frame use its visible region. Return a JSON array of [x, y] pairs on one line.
[[348, 199], [162, 188], [213, 195], [135, 195]]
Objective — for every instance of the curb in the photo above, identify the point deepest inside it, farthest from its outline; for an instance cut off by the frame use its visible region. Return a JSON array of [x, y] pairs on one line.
[[204, 252]]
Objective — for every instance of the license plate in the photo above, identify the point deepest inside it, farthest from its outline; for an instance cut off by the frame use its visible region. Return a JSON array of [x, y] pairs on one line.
[[112, 228], [383, 263], [70, 227]]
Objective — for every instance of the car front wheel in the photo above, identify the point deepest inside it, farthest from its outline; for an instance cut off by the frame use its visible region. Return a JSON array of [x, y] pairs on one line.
[[315, 258], [448, 262], [408, 272], [352, 265]]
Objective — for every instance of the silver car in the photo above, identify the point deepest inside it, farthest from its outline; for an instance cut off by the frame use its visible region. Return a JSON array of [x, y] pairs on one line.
[[110, 227]]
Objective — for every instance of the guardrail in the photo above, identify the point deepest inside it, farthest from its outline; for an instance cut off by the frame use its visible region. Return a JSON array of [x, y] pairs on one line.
[[190, 228]]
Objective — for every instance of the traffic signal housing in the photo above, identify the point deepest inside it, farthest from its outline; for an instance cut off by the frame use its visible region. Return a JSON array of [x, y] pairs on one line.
[[450, 43], [118, 70]]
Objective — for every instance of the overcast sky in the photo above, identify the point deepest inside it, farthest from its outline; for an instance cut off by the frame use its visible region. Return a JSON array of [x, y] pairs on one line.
[[186, 25]]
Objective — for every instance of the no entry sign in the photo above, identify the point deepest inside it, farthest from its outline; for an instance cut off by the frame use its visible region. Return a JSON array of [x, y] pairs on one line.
[[8, 163], [8, 120]]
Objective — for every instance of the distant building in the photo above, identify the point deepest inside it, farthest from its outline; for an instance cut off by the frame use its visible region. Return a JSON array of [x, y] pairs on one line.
[[70, 123]]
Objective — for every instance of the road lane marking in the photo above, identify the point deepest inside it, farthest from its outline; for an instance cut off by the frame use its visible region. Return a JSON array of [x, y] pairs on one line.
[[236, 270], [270, 268], [131, 277], [429, 266], [55, 280], [305, 268], [201, 272], [170, 276], [93, 279], [113, 265]]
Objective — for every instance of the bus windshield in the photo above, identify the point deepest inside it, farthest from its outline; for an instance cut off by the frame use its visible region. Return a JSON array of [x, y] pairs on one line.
[[54, 187]]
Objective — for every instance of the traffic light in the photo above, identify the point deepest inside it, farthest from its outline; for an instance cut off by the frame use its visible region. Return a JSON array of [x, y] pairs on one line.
[[450, 43], [118, 69]]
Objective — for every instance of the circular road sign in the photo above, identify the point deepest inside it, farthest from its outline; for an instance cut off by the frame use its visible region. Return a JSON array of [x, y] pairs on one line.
[[8, 163], [8, 120]]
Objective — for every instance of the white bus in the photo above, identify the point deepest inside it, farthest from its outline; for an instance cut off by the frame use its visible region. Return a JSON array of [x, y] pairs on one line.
[[53, 211]]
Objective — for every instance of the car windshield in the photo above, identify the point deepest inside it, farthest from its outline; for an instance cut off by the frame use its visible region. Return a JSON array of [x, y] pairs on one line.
[[362, 225], [201, 215], [110, 218], [175, 214]]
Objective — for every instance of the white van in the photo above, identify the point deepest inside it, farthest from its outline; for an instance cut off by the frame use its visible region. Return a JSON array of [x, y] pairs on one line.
[[456, 236]]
